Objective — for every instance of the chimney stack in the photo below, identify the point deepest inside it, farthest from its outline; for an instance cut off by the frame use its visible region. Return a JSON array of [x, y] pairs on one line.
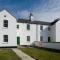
[[30, 16]]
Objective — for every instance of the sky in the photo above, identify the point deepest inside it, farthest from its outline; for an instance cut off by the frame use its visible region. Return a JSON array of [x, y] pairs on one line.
[[42, 10]]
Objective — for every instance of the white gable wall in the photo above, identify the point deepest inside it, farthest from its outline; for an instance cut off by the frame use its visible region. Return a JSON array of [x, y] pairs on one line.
[[55, 32], [58, 31], [10, 31]]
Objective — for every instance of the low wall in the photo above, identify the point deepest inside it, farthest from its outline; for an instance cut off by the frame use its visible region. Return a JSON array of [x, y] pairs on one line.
[[53, 45]]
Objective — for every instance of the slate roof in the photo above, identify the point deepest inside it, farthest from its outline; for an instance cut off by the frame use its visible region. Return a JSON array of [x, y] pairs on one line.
[[37, 22], [33, 22], [55, 21]]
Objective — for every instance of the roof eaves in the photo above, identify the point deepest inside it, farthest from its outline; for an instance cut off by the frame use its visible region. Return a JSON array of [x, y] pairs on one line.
[[32, 22], [55, 21]]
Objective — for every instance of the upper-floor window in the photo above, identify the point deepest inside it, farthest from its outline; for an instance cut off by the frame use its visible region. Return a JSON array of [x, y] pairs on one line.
[[48, 28], [28, 26], [18, 26], [5, 24], [41, 27], [5, 38], [28, 38]]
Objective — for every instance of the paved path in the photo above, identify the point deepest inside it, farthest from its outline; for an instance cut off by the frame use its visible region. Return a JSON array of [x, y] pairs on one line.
[[22, 54]]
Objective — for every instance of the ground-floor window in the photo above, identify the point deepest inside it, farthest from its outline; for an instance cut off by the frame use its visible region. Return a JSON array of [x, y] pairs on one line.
[[5, 38], [41, 38], [49, 39], [28, 38], [17, 26]]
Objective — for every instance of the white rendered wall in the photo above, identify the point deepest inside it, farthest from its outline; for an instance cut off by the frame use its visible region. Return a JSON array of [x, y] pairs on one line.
[[58, 31], [53, 33], [23, 33], [10, 31], [45, 33], [34, 33]]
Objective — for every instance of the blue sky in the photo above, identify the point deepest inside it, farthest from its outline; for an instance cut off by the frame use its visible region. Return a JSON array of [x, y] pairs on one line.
[[46, 10], [19, 4]]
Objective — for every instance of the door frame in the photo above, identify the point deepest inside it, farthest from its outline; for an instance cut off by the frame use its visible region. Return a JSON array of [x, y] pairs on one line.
[[18, 40]]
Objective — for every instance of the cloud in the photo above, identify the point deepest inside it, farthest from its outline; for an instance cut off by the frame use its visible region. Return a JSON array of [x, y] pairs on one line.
[[47, 16], [23, 14], [47, 11]]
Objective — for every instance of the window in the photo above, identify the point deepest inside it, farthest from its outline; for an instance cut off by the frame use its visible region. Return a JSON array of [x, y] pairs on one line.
[[41, 27], [5, 23], [4, 15], [28, 38], [28, 26], [41, 38], [18, 26], [5, 38], [49, 39], [48, 28]]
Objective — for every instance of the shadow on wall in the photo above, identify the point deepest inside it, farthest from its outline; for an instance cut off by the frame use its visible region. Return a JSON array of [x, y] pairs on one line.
[[45, 33], [36, 44], [49, 45]]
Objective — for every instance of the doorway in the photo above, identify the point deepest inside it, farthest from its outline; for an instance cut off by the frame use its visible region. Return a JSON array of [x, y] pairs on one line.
[[49, 40], [18, 40]]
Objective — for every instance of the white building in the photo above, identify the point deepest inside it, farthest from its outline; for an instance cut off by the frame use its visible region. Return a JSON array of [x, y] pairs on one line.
[[39, 33], [26, 32], [55, 31], [31, 31]]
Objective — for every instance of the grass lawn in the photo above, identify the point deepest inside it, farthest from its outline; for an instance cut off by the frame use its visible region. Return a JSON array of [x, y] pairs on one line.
[[41, 54], [8, 54]]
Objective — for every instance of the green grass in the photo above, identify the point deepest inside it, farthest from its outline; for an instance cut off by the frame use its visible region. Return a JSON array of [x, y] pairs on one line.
[[8, 54], [41, 54]]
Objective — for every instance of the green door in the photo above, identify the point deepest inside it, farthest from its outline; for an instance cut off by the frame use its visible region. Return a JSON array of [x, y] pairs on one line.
[[18, 40]]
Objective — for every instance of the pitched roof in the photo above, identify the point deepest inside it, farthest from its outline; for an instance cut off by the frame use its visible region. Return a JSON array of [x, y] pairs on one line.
[[55, 21], [5, 10], [32, 22], [37, 22]]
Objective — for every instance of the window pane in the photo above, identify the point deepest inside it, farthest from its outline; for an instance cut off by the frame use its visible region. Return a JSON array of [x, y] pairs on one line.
[[48, 28], [5, 23], [28, 38], [28, 26], [5, 38], [18, 26], [41, 27], [4, 15]]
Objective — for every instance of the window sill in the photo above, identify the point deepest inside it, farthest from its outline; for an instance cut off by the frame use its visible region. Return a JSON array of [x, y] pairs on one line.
[[5, 27], [28, 41], [5, 43]]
